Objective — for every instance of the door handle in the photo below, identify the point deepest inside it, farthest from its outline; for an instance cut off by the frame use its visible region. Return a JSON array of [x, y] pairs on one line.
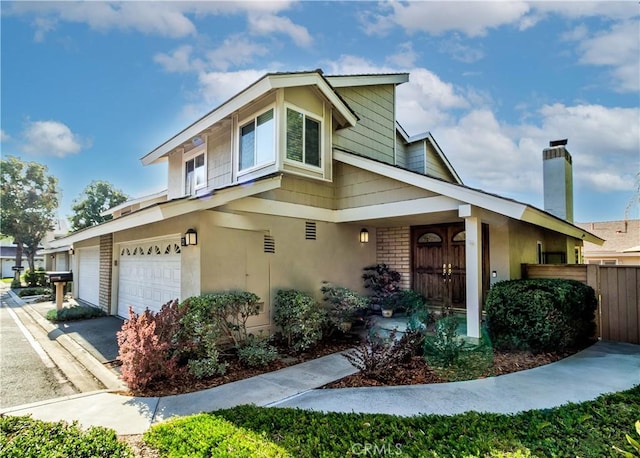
[[449, 272]]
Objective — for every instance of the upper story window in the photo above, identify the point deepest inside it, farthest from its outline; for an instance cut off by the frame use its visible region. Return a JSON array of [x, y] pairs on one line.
[[303, 138], [257, 141], [195, 175]]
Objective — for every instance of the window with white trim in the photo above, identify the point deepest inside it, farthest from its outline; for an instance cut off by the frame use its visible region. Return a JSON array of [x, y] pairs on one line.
[[303, 138], [195, 172], [257, 141]]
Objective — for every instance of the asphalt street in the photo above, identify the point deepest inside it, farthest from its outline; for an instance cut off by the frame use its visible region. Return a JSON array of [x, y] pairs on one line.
[[27, 373]]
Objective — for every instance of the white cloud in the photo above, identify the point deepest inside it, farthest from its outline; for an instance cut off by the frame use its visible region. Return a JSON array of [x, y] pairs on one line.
[[163, 18], [178, 60], [4, 136], [440, 17], [50, 138], [265, 23], [459, 51], [618, 48], [234, 51], [405, 57]]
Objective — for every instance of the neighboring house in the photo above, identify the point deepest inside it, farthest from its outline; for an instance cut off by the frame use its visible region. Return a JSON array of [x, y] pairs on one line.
[[56, 258], [8, 259], [303, 178], [621, 246]]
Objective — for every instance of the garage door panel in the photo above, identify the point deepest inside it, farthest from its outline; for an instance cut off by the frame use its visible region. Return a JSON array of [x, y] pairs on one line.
[[89, 275], [149, 275]]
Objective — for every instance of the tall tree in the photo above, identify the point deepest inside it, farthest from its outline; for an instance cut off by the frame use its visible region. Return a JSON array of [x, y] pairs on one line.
[[28, 205], [96, 198]]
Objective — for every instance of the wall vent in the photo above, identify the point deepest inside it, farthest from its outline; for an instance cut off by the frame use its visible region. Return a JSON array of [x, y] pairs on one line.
[[310, 230], [269, 244]]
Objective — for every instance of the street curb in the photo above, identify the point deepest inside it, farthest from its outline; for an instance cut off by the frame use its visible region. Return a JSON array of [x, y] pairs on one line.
[[104, 375]]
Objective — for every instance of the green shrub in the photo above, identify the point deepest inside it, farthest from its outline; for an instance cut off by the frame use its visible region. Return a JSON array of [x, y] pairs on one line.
[[445, 347], [16, 284], [76, 312], [300, 318], [206, 435], [34, 291], [540, 315], [584, 430], [36, 277], [633, 442], [257, 352], [407, 300], [25, 437], [342, 304]]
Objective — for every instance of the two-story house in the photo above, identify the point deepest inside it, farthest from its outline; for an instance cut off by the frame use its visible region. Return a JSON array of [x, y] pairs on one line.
[[303, 178]]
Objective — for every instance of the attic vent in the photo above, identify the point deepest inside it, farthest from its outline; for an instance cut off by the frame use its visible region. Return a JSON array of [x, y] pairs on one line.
[[310, 230], [269, 244]]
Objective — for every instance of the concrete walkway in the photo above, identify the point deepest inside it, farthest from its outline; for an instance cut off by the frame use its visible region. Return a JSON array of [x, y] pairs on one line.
[[602, 368]]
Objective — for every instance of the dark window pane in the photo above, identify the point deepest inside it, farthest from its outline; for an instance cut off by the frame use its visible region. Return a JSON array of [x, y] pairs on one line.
[[312, 142], [294, 135], [247, 146]]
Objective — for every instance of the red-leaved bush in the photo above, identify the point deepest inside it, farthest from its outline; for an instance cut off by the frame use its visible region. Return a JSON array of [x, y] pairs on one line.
[[149, 346]]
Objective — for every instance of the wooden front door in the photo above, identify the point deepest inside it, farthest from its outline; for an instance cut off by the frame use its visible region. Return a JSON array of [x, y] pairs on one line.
[[438, 264]]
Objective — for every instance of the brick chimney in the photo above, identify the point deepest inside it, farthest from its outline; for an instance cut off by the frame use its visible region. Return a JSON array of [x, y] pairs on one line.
[[558, 180]]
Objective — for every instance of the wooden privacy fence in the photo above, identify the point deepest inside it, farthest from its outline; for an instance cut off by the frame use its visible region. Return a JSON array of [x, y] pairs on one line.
[[617, 289]]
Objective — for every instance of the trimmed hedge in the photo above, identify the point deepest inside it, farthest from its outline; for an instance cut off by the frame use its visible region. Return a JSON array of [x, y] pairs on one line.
[[540, 315], [25, 437], [77, 312], [587, 430]]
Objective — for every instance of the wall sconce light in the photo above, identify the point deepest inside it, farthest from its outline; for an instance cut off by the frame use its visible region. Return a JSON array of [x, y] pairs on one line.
[[364, 236], [190, 238], [494, 274], [71, 251]]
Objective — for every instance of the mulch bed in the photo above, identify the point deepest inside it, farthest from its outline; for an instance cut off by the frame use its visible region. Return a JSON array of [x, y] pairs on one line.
[[238, 371], [417, 371]]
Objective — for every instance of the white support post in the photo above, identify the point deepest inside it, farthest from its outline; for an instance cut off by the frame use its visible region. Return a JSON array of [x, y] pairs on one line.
[[473, 261]]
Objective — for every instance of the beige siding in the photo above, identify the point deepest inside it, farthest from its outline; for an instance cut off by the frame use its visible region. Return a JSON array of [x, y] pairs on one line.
[[219, 157], [174, 176], [302, 191], [374, 134], [415, 157], [357, 188], [435, 166], [305, 98], [401, 152]]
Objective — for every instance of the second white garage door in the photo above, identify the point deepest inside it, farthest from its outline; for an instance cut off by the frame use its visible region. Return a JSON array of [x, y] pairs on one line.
[[149, 275], [89, 275]]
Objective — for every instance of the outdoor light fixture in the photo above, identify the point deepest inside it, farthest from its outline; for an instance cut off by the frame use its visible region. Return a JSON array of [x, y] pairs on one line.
[[71, 251], [190, 238], [364, 236]]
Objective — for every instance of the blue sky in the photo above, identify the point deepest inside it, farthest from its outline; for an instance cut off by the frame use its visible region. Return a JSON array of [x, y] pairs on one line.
[[89, 88]]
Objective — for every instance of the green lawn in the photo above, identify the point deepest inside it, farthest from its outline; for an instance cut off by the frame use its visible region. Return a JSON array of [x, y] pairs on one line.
[[590, 429], [586, 430]]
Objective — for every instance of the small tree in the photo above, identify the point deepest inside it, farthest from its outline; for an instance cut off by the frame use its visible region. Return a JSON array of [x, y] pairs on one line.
[[382, 281], [96, 198], [28, 201]]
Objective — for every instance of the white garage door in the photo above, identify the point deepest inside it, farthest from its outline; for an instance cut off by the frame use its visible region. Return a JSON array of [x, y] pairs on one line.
[[149, 275], [89, 275]]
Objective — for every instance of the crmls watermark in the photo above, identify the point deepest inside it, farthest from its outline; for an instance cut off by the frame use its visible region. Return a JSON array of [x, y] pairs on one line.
[[369, 449]]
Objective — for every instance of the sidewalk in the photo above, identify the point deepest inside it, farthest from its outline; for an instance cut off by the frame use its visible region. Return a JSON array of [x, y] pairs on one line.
[[602, 368]]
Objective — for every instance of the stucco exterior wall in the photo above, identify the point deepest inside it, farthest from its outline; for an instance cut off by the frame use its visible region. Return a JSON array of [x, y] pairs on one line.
[[233, 258], [374, 134]]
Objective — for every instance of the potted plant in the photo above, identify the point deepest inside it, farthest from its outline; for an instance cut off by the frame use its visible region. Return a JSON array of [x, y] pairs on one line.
[[342, 305], [388, 305]]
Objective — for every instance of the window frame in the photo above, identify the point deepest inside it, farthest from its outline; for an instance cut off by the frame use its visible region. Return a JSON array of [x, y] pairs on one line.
[[189, 156], [314, 117], [247, 121]]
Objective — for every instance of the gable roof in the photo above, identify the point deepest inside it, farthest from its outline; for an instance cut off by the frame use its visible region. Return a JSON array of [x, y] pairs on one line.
[[493, 202], [344, 114], [426, 136]]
